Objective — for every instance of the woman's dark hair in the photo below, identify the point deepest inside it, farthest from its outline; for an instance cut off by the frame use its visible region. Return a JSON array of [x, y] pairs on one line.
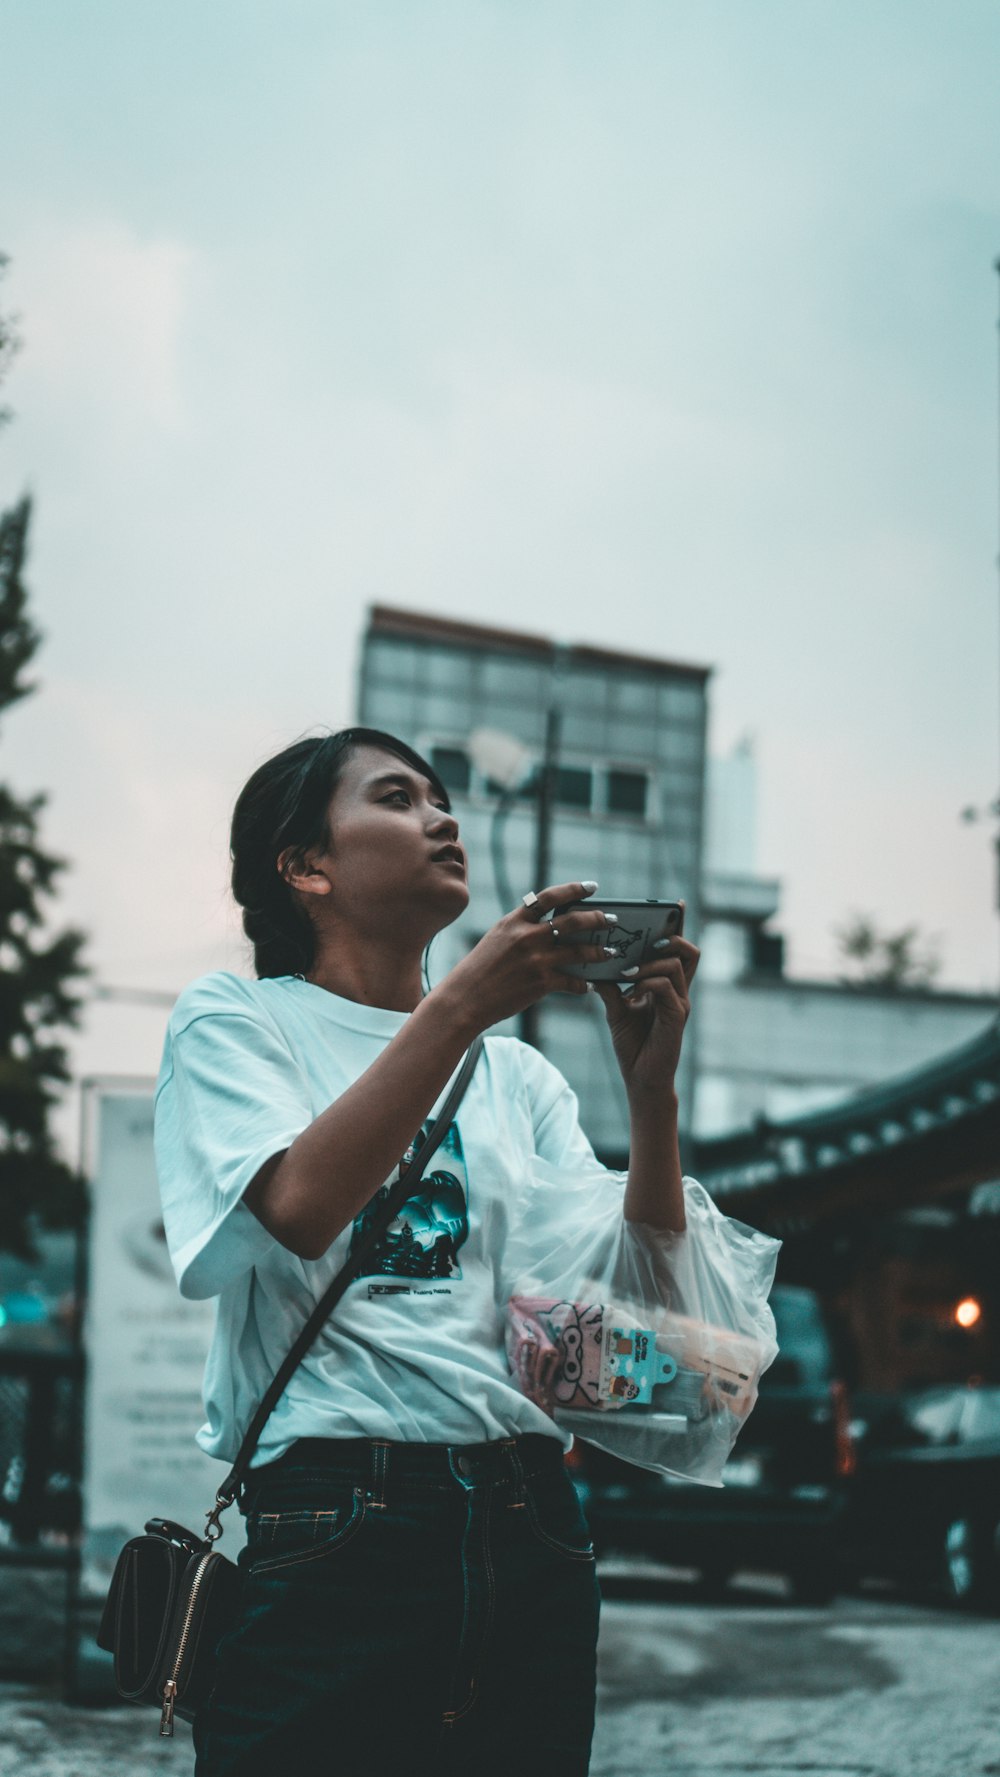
[[282, 807]]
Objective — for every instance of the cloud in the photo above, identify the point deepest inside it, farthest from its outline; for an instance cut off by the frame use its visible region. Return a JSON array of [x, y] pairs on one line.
[[104, 311], [142, 820]]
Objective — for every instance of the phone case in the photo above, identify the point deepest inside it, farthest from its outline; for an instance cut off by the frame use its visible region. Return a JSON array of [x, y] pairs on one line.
[[640, 924]]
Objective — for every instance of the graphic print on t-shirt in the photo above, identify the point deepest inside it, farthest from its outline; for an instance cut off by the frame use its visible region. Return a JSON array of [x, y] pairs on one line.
[[428, 1229]]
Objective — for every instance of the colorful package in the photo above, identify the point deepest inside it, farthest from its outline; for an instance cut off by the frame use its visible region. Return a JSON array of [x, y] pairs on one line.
[[646, 1342]]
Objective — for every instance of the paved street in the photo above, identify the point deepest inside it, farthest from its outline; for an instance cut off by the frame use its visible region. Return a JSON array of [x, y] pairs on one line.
[[869, 1688]]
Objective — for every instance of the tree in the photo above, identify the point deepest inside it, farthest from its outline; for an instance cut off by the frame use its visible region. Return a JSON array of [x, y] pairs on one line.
[[37, 972], [890, 961]]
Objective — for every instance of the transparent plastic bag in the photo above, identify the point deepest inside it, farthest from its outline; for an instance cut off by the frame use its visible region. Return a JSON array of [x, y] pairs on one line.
[[647, 1343]]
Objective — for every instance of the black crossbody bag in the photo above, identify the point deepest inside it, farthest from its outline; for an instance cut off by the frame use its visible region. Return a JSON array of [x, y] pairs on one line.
[[171, 1596]]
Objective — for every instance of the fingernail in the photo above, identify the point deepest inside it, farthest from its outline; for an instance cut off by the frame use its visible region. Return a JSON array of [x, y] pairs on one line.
[[634, 970], [662, 944], [588, 887], [611, 919], [590, 987]]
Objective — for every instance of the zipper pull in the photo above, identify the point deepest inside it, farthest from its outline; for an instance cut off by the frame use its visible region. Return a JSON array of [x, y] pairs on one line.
[[167, 1715]]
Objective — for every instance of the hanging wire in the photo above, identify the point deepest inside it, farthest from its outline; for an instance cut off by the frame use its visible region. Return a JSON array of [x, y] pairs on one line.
[[505, 803]]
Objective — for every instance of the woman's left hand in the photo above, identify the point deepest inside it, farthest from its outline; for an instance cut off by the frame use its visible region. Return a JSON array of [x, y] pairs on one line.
[[647, 1025]]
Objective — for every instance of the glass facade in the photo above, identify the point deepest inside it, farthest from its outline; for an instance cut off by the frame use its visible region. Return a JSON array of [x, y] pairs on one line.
[[627, 792], [452, 766], [627, 808]]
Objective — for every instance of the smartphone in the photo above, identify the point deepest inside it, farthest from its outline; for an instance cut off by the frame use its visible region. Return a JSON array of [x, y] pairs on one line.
[[639, 925]]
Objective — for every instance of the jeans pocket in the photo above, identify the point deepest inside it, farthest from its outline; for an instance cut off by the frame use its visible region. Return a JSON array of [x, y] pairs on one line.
[[291, 1537], [556, 1516]]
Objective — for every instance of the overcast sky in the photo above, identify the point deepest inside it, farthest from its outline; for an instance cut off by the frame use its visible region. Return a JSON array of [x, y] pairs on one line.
[[662, 326]]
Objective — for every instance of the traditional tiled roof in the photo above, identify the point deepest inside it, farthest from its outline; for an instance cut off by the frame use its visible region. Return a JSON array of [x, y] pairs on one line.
[[934, 1129]]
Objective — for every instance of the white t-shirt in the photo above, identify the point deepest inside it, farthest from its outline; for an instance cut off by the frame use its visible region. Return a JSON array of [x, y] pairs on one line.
[[414, 1350]]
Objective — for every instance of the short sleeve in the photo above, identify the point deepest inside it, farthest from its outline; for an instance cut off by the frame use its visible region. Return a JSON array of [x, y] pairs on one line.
[[555, 1114], [229, 1097]]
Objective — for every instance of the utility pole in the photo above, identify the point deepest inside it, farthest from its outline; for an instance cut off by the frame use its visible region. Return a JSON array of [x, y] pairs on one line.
[[992, 809], [531, 1016], [996, 805]]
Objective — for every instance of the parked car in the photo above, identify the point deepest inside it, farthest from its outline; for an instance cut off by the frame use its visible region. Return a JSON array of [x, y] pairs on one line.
[[926, 1506], [785, 1487]]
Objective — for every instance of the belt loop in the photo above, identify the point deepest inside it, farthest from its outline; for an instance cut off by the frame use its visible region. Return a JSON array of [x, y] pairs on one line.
[[519, 1476], [380, 1466]]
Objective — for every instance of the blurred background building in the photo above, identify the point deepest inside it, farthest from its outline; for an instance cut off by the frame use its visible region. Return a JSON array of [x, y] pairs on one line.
[[640, 805], [858, 1120], [628, 792]]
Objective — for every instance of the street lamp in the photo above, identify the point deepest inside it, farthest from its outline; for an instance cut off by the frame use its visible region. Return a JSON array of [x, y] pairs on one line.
[[501, 757], [505, 760], [508, 765]]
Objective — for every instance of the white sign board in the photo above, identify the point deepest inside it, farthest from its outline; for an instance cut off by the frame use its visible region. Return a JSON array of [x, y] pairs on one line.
[[146, 1350]]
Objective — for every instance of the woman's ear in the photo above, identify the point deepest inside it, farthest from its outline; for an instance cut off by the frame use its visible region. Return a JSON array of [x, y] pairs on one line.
[[302, 872]]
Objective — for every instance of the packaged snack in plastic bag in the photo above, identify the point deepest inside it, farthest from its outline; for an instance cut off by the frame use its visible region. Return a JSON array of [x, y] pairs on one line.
[[647, 1343]]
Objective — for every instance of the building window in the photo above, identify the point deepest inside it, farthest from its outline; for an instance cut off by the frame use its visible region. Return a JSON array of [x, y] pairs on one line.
[[452, 767], [628, 792], [574, 786], [767, 952]]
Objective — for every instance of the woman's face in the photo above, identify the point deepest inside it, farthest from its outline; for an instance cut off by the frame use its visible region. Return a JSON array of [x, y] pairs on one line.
[[393, 847]]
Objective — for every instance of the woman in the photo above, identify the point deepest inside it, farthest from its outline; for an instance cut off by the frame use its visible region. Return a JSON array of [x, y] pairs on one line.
[[419, 1585]]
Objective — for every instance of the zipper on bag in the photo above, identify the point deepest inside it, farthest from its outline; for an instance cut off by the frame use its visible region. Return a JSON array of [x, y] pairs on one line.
[[167, 1713], [170, 1688]]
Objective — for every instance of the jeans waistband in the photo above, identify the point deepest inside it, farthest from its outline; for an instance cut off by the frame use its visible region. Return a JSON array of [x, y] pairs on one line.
[[500, 1459]]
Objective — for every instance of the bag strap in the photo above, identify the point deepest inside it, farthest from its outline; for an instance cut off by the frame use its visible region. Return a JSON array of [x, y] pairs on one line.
[[398, 1194]]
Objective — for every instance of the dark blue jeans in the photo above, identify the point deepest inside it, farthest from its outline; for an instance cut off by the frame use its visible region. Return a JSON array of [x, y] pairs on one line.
[[409, 1609]]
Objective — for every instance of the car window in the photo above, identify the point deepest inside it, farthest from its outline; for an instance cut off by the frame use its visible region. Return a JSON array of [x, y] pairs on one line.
[[981, 1415], [935, 1417], [805, 1355]]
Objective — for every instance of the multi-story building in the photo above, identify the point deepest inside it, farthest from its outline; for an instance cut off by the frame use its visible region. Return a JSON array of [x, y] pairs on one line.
[[640, 807], [627, 803]]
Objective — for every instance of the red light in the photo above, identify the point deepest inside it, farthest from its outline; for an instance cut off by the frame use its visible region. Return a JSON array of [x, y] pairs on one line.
[[847, 1456]]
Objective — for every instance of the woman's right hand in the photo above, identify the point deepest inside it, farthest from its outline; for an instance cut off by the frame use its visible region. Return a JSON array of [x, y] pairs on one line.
[[520, 960]]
